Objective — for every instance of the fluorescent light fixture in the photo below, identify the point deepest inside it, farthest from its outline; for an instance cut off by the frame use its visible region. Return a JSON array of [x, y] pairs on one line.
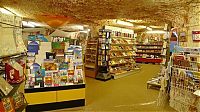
[[84, 31], [150, 29], [141, 26], [157, 31], [14, 11], [35, 24], [3, 10], [27, 24], [136, 21], [78, 27], [124, 23]]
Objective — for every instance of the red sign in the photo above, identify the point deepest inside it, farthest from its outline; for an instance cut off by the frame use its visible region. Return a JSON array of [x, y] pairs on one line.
[[196, 35]]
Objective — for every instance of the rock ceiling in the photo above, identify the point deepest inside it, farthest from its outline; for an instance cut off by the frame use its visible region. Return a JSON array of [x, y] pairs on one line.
[[91, 11]]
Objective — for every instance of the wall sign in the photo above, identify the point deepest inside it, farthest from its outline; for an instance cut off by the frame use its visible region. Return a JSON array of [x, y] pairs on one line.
[[196, 36]]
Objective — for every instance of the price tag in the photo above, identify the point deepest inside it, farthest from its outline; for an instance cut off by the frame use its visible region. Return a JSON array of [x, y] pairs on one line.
[[196, 35]]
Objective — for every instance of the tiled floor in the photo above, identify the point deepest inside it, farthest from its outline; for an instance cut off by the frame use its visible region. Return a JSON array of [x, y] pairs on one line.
[[125, 94]]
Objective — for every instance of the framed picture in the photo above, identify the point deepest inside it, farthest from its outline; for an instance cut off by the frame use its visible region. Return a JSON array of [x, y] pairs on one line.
[[196, 36], [182, 37]]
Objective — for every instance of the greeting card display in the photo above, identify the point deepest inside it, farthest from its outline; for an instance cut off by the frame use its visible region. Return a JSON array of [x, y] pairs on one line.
[[30, 83], [63, 77], [50, 65], [56, 79], [63, 66], [79, 75], [48, 79], [35, 68], [33, 46]]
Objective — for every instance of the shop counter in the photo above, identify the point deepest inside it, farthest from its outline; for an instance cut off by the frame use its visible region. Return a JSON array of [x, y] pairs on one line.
[[52, 98]]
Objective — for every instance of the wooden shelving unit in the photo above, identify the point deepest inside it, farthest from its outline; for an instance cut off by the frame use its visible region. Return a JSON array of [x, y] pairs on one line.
[[149, 53], [122, 55], [91, 58]]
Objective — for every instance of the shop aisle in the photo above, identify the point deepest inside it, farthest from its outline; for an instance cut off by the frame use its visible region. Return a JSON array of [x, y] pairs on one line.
[[125, 94]]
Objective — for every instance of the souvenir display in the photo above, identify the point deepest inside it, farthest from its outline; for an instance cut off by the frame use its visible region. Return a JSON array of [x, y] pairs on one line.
[[5, 87], [7, 105], [18, 99], [185, 80]]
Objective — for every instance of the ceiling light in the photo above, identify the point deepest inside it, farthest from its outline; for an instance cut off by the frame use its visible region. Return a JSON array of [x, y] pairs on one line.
[[124, 23], [88, 29], [3, 10], [14, 11], [136, 21], [35, 24], [156, 26], [157, 31], [84, 31], [78, 27], [141, 26], [27, 24], [150, 29]]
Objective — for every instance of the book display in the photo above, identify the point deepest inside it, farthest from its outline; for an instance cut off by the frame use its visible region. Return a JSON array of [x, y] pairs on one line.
[[151, 48], [185, 80], [103, 54], [91, 58], [54, 69], [120, 56]]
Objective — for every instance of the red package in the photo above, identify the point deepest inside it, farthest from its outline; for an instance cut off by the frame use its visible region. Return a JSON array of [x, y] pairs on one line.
[[15, 75]]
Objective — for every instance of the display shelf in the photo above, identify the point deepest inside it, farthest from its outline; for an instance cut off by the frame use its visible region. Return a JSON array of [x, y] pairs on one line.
[[89, 66], [155, 53], [149, 48], [117, 64], [149, 45], [122, 44], [55, 97], [121, 57], [45, 89], [148, 60], [14, 55], [121, 50], [91, 58], [92, 43], [184, 81], [91, 49], [90, 55], [123, 37]]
